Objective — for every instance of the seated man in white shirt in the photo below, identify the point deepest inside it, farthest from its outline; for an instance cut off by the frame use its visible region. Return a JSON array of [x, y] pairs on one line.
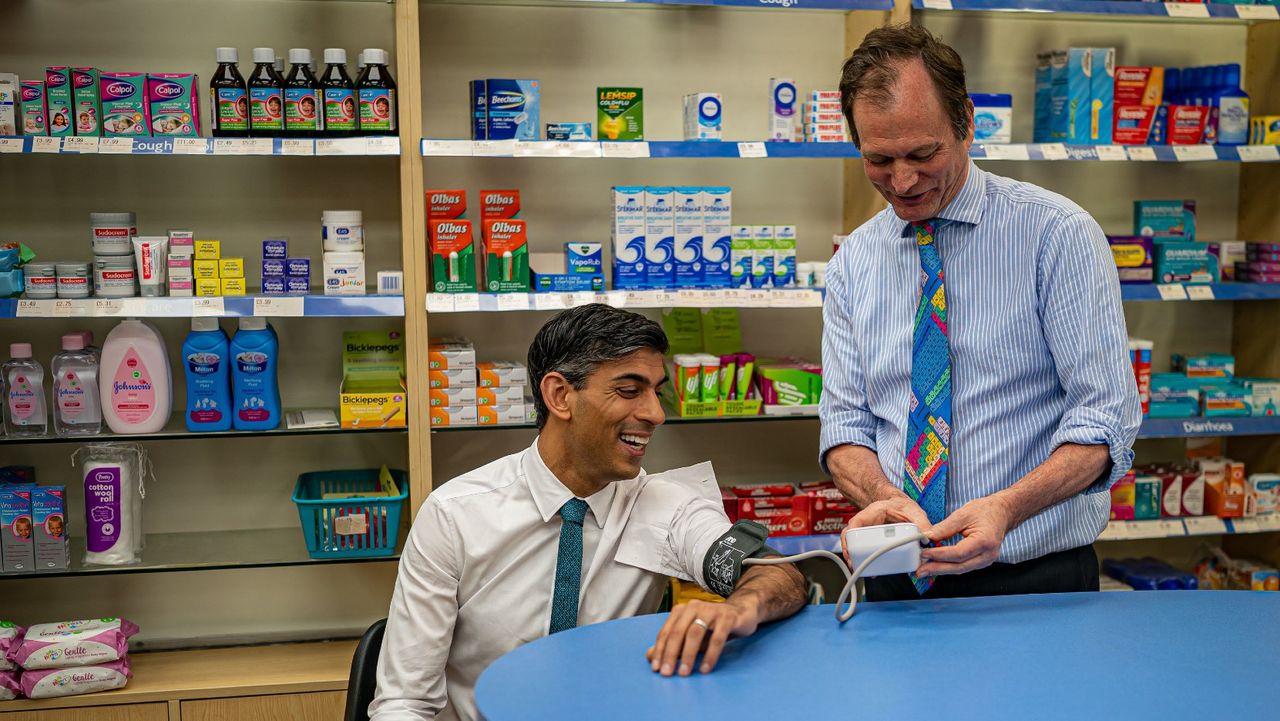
[[570, 531]]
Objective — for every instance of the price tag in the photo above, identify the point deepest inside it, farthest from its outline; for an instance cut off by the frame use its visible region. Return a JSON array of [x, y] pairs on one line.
[[62, 308], [1053, 151], [1111, 152], [229, 146], [1204, 525], [80, 144], [691, 299], [1189, 153], [535, 149], [752, 150], [549, 301], [1141, 153], [447, 148], [1198, 291], [1258, 153], [638, 149], [190, 146], [466, 302], [106, 308], [1169, 528], [1245, 525], [10, 145], [385, 145], [115, 146], [439, 303], [784, 298], [513, 301], [278, 306], [1257, 12], [1171, 291], [493, 148], [1007, 152], [31, 309], [642, 299], [757, 299], [340, 146], [811, 299], [1186, 10], [42, 144], [259, 146], [294, 146], [582, 297], [1269, 522], [937, 4], [578, 149], [666, 299], [730, 298], [215, 307], [615, 298], [82, 308]]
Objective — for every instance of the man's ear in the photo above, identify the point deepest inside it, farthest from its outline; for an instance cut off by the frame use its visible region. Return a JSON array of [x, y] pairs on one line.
[[556, 391]]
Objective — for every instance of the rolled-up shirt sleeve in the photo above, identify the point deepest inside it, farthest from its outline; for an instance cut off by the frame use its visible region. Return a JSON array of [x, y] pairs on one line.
[[424, 609], [1084, 327], [845, 416]]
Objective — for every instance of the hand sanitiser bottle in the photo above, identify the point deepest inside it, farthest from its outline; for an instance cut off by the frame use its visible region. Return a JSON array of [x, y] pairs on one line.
[[134, 379], [206, 356], [255, 391], [77, 407], [25, 413]]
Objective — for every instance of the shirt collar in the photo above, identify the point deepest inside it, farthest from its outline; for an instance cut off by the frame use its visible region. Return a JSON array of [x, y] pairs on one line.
[[549, 494], [968, 204]]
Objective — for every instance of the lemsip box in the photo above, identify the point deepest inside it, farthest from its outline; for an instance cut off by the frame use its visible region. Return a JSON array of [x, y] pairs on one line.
[[628, 238]]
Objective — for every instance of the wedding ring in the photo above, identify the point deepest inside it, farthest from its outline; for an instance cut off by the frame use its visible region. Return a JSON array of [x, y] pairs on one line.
[[702, 623]]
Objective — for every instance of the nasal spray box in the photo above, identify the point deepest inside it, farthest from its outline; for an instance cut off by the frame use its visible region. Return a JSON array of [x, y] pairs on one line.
[[717, 236], [86, 101], [762, 256], [784, 256], [688, 237], [173, 101], [1089, 79], [784, 109], [35, 112], [58, 95], [512, 109], [124, 104], [741, 256], [702, 116], [1058, 62], [372, 394], [628, 238], [659, 236], [1102, 96], [620, 113], [449, 233]]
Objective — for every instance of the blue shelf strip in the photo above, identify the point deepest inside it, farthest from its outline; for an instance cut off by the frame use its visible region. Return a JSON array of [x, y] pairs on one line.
[[301, 147], [1106, 7], [1218, 291], [1215, 426], [313, 306]]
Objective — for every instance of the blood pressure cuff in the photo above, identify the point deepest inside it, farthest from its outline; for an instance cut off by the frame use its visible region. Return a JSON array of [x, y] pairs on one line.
[[722, 566]]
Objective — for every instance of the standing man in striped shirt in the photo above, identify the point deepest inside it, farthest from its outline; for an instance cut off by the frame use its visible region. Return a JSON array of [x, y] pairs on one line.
[[975, 358]]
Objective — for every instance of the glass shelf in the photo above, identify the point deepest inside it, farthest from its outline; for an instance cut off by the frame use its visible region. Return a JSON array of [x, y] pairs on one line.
[[672, 418], [176, 430]]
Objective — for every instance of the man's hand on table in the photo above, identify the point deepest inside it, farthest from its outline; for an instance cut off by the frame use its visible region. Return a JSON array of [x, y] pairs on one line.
[[681, 639]]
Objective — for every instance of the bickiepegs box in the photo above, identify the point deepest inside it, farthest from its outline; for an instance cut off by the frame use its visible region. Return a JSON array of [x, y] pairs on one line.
[[688, 237], [35, 112], [620, 113], [173, 101], [717, 231], [124, 104], [512, 109], [1165, 218], [506, 254], [59, 101], [453, 259], [86, 101]]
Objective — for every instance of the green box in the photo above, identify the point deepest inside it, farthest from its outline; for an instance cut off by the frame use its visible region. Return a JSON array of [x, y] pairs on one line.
[[453, 256], [506, 254], [620, 113]]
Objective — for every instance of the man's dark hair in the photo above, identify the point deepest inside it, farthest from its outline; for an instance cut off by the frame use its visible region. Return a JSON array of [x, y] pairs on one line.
[[576, 341], [871, 72]]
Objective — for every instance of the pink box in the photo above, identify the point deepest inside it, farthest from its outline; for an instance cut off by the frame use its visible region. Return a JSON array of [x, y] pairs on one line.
[[124, 105]]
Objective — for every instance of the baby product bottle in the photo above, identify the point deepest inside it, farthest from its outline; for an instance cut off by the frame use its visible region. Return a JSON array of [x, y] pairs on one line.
[[24, 405], [205, 356], [134, 379], [377, 91], [255, 391], [229, 111], [340, 113], [266, 95], [303, 113], [77, 408]]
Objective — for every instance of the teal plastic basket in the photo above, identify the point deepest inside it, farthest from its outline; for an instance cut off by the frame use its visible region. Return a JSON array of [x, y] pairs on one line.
[[356, 527]]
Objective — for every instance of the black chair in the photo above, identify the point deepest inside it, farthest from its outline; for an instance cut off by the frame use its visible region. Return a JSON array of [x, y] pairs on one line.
[[363, 683]]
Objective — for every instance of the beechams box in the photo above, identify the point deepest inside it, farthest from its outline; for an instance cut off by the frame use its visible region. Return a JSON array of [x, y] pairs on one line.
[[512, 109]]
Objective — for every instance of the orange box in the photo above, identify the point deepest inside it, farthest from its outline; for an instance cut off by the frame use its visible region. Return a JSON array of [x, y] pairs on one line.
[[500, 396], [1224, 488], [453, 416], [498, 374], [446, 204], [450, 354], [458, 378], [452, 397], [503, 415], [499, 204]]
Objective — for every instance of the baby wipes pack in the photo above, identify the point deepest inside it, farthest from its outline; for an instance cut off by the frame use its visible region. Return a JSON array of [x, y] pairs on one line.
[[73, 643]]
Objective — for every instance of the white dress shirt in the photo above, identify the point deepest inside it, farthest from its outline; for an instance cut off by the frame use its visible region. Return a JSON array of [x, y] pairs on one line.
[[478, 571]]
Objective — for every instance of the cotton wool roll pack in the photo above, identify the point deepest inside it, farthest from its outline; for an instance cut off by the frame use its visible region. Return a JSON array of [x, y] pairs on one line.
[[113, 492]]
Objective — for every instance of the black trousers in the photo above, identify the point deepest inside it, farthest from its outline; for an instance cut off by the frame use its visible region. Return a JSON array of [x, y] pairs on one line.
[[1075, 569]]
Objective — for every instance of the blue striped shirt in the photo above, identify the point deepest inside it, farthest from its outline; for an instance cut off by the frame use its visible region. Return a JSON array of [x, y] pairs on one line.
[[1039, 351]]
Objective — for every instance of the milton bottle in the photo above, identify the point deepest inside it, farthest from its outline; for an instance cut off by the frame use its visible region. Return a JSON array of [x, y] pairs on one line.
[[229, 111], [377, 91], [303, 113], [255, 390], [266, 96], [341, 117]]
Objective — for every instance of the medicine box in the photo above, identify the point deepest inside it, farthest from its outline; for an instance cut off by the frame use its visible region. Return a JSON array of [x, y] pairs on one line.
[[1208, 365], [1102, 96], [208, 249], [173, 104], [620, 113], [784, 107], [275, 249], [511, 109], [717, 231], [1042, 94], [208, 287], [1180, 124], [499, 204], [1229, 253], [569, 131], [125, 111], [628, 238], [450, 354], [453, 416], [230, 267], [501, 415], [86, 101], [1133, 257], [301, 285], [506, 256], [1180, 261], [34, 112], [1165, 219], [372, 393], [452, 397], [206, 269], [761, 256], [49, 518], [688, 237], [446, 204], [479, 113], [1264, 395], [500, 395], [741, 256], [579, 268], [1227, 399], [232, 286], [659, 236], [17, 546], [1074, 125], [784, 256], [495, 374], [273, 268], [58, 99], [344, 273], [702, 116], [272, 285], [453, 268], [457, 378], [10, 103]]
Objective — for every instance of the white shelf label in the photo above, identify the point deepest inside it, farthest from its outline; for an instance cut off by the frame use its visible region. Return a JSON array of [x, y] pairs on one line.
[[190, 146], [730, 298], [106, 307], [1111, 152], [341, 146], [439, 303], [384, 145], [31, 309], [513, 301], [1204, 525], [937, 4], [494, 148], [1245, 525], [1171, 291], [466, 302], [1053, 151], [689, 298], [259, 146], [615, 298], [1186, 10], [62, 308], [582, 297], [1007, 152], [570, 149], [810, 299], [82, 144], [666, 298], [535, 149], [550, 301], [40, 144], [642, 298], [215, 307], [115, 146], [1190, 153], [1197, 291], [294, 146], [1168, 528], [82, 308], [10, 145], [278, 306], [1268, 522], [1258, 153], [229, 146], [752, 150], [1141, 153], [637, 149], [448, 148], [757, 299], [1257, 12]]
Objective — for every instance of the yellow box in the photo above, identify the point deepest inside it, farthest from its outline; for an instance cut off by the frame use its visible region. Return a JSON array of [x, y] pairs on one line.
[[453, 416], [232, 286], [206, 287], [364, 405], [208, 249], [205, 269], [231, 267]]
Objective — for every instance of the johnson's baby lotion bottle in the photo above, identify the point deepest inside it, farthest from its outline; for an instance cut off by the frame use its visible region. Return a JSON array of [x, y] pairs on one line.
[[135, 379]]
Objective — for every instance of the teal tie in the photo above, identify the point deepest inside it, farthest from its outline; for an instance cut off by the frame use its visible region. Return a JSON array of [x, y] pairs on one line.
[[564, 600]]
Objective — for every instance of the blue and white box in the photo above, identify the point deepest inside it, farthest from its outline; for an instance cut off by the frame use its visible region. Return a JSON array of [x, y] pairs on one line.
[[784, 110], [512, 109], [584, 258], [992, 118], [1102, 100], [1079, 90], [784, 256], [569, 131], [627, 238], [273, 285], [1058, 124], [688, 237], [273, 268], [741, 256], [702, 116], [761, 256], [659, 236], [717, 234], [275, 248], [479, 112], [1043, 91]]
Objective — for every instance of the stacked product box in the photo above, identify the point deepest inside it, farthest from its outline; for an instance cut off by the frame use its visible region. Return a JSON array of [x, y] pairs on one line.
[[669, 237], [822, 118], [181, 263], [787, 510], [502, 394], [505, 238], [215, 275], [789, 383], [373, 393], [33, 528], [1075, 96], [1261, 263], [89, 102], [451, 378], [1207, 385], [449, 235], [342, 260], [579, 268], [282, 275], [703, 116], [763, 256], [505, 109]]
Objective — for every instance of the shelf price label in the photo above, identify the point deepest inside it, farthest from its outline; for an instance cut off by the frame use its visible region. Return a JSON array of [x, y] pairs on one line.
[[1258, 153], [493, 148], [615, 298], [752, 150], [466, 302], [10, 145], [278, 306], [229, 146], [1191, 153], [549, 301], [1186, 10], [757, 299], [439, 303], [513, 301], [62, 308], [1171, 291], [105, 307], [297, 147], [1257, 12], [1112, 152], [1204, 525], [42, 144], [190, 146], [1053, 151], [1200, 292], [1007, 152], [937, 4], [1142, 153], [115, 146], [642, 298], [341, 146], [30, 309], [637, 149], [581, 297], [214, 307], [385, 145], [447, 148]]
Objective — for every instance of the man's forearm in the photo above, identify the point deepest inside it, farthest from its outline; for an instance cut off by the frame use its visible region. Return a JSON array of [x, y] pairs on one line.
[[857, 474], [1067, 471], [770, 592]]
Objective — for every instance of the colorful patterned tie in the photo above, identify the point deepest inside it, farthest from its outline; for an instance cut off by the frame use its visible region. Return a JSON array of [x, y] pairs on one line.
[[564, 600], [929, 419]]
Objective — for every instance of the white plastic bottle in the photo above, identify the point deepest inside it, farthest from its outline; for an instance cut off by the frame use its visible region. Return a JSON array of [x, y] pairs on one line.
[[135, 379], [25, 411], [77, 407]]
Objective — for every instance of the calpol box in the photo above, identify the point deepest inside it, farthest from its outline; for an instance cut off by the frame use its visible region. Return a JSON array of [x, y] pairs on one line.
[[506, 256], [58, 98], [35, 117], [86, 101], [372, 394], [620, 113], [124, 104], [173, 104]]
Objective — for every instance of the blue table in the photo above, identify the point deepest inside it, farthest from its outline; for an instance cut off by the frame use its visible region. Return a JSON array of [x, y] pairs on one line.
[[1166, 655]]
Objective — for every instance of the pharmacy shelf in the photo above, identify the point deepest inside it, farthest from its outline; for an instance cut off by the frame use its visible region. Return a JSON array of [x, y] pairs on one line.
[[301, 147], [773, 5], [672, 418], [176, 430], [273, 306], [206, 551], [1201, 427], [503, 302], [731, 149], [1110, 8], [1195, 291]]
